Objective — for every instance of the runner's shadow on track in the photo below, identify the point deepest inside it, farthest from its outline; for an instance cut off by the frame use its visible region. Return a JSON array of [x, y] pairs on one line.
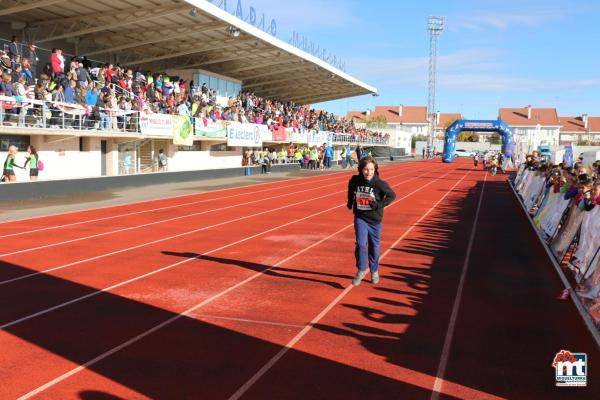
[[169, 354], [266, 269], [97, 395], [507, 286]]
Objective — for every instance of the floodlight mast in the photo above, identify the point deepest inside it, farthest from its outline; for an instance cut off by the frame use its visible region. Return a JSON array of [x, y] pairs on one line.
[[435, 26]]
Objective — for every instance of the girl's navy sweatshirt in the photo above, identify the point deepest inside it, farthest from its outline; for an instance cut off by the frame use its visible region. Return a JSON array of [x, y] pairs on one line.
[[361, 194]]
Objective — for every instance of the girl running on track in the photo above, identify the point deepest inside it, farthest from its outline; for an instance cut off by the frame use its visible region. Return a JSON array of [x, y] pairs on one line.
[[367, 196], [32, 159], [475, 160]]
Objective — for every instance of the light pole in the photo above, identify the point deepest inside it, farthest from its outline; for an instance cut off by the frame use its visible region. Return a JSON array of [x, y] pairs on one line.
[[435, 26]]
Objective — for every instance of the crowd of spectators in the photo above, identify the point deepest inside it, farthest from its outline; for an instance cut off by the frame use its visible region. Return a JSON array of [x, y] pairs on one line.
[[104, 88], [307, 157], [564, 203]]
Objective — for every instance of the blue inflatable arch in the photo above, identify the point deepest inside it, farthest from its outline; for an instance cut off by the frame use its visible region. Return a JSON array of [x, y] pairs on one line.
[[508, 140]]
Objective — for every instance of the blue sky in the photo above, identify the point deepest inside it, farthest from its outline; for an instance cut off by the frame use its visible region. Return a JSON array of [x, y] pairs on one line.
[[492, 53]]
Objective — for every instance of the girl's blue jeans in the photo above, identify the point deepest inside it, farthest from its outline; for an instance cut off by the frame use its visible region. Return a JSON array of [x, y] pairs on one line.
[[368, 237]]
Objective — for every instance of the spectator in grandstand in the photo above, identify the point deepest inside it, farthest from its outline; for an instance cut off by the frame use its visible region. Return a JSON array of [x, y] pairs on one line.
[[7, 86], [91, 95], [367, 197], [10, 164], [26, 72], [70, 92], [13, 49], [32, 162], [16, 69], [57, 62], [33, 59], [5, 63]]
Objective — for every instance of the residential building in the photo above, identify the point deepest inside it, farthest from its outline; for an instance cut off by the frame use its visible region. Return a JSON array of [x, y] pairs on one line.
[[573, 129], [532, 126]]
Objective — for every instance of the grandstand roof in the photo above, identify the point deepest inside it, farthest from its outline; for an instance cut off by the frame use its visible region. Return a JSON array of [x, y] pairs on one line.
[[183, 34]]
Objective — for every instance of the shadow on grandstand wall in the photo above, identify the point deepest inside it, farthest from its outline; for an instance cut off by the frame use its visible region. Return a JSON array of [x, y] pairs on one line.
[[510, 324]]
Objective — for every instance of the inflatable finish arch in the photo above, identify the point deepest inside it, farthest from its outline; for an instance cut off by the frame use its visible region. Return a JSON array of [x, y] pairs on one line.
[[508, 140]]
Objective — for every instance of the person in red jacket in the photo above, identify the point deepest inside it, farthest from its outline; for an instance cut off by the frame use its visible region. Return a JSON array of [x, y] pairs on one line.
[[57, 62]]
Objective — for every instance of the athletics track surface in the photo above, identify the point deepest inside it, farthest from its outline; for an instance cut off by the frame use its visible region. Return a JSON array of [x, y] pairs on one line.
[[245, 293]]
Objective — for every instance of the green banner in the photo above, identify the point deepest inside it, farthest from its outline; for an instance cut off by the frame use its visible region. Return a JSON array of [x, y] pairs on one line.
[[182, 131]]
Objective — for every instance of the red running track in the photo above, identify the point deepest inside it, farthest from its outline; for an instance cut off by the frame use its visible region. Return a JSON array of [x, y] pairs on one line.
[[245, 293]]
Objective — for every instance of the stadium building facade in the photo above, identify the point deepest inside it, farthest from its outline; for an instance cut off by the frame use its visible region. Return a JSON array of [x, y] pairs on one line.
[[192, 40]]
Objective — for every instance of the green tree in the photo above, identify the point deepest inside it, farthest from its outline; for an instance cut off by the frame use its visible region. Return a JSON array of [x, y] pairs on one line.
[[379, 121], [417, 138], [464, 136], [495, 138]]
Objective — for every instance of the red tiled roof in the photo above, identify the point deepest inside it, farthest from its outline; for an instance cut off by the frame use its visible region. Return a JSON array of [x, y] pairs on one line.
[[409, 115], [356, 115], [594, 124], [447, 118], [518, 116], [572, 124]]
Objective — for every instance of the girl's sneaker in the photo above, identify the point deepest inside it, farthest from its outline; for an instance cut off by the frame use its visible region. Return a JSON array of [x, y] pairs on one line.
[[374, 278], [358, 277]]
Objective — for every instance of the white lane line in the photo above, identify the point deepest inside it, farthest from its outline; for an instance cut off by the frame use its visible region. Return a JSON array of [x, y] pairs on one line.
[[441, 372], [175, 197], [161, 221], [251, 321], [156, 222], [165, 268], [166, 238], [244, 388], [203, 303], [159, 208]]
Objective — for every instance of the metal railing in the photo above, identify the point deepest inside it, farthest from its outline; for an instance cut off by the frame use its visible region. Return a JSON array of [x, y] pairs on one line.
[[22, 112], [27, 113]]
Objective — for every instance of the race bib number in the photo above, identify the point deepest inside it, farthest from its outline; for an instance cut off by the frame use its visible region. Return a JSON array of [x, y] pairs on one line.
[[363, 201]]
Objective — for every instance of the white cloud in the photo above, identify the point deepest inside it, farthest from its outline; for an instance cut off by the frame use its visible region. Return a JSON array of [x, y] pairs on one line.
[[413, 71], [503, 21], [462, 70]]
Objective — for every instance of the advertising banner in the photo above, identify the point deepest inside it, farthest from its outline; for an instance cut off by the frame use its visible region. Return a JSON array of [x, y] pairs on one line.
[[568, 157], [317, 138], [266, 134], [244, 135], [183, 134], [156, 124], [207, 128], [297, 136], [279, 134]]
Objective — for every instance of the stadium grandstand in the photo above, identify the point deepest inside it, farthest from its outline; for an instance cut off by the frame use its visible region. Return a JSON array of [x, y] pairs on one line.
[[105, 86]]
